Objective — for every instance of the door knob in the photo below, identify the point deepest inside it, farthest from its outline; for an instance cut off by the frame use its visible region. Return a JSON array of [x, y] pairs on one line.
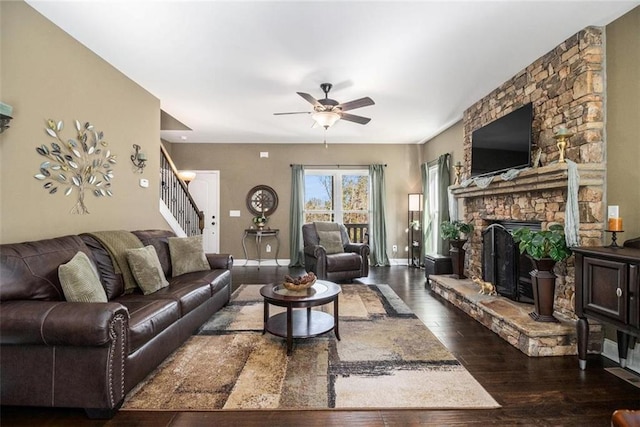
[[619, 292]]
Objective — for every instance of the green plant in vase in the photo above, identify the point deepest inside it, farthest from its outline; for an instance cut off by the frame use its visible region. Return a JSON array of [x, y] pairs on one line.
[[452, 231], [260, 221], [538, 245], [544, 248]]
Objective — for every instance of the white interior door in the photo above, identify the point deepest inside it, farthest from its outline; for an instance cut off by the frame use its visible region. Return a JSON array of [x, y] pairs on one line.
[[205, 190]]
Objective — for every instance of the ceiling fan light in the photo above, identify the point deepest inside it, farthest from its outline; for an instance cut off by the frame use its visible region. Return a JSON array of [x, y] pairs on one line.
[[326, 119]]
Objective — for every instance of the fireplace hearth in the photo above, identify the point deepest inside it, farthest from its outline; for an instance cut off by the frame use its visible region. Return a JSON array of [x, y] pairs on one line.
[[502, 263]]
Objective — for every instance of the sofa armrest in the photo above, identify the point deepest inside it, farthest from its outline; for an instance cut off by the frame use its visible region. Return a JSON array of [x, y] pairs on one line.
[[61, 323], [220, 261]]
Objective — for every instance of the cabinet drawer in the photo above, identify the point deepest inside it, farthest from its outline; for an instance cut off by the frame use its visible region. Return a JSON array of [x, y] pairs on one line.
[[606, 288], [634, 295]]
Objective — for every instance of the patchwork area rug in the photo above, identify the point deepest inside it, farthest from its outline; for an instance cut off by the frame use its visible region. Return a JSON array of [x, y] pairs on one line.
[[387, 358]]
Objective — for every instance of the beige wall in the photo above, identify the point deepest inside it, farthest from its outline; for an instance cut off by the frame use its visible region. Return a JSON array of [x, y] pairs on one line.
[[623, 120], [449, 141], [59, 78], [241, 168], [47, 74]]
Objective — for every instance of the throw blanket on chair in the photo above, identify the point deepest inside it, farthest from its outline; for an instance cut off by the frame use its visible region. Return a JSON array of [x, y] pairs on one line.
[[117, 242], [327, 226]]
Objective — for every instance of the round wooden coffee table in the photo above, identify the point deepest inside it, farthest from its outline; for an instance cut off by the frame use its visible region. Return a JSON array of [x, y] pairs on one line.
[[301, 323]]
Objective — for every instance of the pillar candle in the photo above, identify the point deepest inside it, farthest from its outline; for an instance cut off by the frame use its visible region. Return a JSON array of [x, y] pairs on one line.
[[615, 224]]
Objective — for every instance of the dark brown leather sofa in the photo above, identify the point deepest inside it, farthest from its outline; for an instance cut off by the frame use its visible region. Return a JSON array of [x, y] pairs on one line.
[[90, 355]]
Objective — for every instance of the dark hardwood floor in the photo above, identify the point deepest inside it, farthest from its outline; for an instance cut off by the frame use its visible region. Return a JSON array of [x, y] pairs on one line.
[[547, 391]]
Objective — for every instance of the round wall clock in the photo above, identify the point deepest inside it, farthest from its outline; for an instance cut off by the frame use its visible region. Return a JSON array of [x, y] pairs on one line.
[[262, 200]]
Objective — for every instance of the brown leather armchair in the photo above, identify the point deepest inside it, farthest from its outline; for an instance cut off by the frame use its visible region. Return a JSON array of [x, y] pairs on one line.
[[353, 262]]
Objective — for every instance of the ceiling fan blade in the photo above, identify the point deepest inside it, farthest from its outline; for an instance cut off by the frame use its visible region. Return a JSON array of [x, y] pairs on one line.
[[294, 112], [310, 99], [356, 119], [358, 103]]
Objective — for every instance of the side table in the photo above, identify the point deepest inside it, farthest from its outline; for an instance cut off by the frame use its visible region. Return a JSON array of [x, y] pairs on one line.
[[257, 235]]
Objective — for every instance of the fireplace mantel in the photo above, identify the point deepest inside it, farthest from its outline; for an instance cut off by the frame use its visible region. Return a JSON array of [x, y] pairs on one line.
[[535, 179]]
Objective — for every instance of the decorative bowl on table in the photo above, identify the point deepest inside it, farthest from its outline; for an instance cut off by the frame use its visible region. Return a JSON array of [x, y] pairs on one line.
[[300, 283]]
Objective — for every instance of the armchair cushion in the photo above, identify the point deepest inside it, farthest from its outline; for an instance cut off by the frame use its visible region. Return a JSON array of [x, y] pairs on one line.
[[332, 241], [347, 261]]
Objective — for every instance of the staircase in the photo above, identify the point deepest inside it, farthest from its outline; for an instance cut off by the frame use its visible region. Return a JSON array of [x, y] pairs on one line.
[[176, 204]]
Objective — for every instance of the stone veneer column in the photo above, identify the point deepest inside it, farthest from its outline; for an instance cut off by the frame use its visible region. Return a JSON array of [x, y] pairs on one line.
[[566, 88]]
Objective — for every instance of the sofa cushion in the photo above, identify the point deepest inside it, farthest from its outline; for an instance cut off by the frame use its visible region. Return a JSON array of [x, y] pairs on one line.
[[146, 269], [112, 282], [187, 255], [148, 317], [190, 294], [80, 281], [159, 239], [331, 241]]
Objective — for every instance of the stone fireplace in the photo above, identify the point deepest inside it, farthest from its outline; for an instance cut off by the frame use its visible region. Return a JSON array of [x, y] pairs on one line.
[[566, 89]]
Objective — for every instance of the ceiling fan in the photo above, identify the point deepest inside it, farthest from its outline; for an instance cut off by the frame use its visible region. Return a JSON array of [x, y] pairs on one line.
[[327, 111]]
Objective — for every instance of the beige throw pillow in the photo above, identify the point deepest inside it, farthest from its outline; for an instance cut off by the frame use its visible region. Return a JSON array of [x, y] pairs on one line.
[[332, 241], [146, 269], [187, 255], [80, 281]]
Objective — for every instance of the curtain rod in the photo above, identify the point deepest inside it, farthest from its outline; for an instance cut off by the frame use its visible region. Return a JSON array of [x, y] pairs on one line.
[[336, 166]]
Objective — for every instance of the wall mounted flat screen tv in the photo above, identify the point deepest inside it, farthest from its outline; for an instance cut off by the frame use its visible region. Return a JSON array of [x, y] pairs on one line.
[[503, 144]]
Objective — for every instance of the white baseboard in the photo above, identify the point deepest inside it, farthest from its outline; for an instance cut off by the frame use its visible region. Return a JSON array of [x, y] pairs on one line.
[[610, 351], [285, 262], [398, 261], [264, 263]]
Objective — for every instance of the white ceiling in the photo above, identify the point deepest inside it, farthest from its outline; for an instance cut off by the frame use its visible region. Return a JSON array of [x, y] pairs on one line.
[[224, 67]]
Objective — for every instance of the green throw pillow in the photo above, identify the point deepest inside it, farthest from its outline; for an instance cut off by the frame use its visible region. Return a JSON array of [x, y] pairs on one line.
[[332, 241], [146, 269], [187, 255], [80, 281]]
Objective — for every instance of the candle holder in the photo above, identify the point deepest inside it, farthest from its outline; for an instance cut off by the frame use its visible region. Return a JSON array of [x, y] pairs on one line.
[[458, 168], [562, 136], [614, 238]]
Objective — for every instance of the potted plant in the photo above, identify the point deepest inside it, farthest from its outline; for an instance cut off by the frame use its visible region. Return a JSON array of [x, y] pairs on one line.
[[544, 248], [453, 231]]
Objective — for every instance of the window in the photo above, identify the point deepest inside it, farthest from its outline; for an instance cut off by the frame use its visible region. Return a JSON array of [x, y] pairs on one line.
[[337, 195], [433, 213]]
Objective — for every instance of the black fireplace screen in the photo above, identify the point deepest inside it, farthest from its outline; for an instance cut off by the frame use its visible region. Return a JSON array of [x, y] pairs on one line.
[[503, 265]]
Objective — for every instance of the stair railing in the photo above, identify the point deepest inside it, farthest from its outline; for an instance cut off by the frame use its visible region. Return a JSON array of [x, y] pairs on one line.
[[175, 194]]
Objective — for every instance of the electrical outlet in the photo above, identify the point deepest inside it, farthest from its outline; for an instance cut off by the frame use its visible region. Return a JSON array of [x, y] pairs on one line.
[[267, 248], [394, 248]]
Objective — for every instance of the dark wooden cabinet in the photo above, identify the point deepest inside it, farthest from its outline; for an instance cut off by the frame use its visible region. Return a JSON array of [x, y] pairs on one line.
[[608, 290]]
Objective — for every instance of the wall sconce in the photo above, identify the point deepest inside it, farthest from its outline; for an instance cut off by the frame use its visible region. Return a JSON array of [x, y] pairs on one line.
[[187, 176], [139, 159], [5, 116]]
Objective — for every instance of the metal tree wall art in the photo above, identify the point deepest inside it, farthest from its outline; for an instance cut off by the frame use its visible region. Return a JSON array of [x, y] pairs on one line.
[[81, 165]]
